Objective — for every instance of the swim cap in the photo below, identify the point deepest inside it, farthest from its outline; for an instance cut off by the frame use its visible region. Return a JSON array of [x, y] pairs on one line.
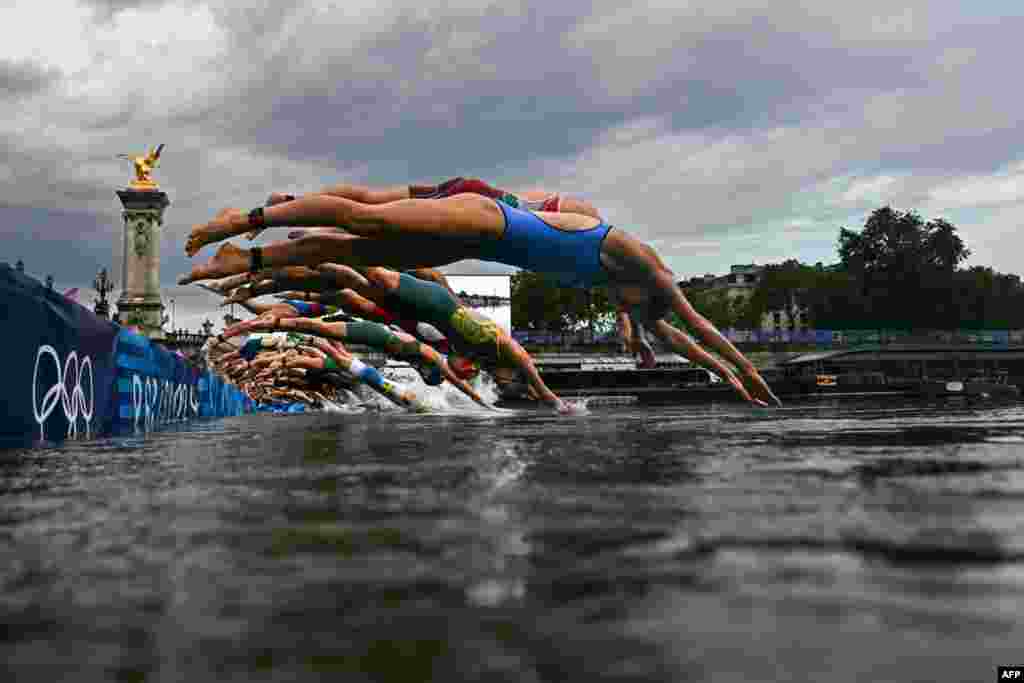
[[463, 367], [477, 330]]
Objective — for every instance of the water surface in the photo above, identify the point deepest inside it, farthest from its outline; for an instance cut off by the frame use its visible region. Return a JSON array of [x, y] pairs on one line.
[[843, 541]]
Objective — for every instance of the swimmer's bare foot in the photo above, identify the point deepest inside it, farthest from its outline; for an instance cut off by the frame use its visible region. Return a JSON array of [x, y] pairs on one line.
[[227, 223], [229, 260]]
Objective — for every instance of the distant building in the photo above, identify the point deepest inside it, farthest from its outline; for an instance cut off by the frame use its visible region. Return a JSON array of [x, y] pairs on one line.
[[739, 285], [491, 294]]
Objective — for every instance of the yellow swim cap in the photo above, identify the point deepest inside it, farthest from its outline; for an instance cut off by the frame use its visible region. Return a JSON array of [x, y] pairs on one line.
[[477, 330]]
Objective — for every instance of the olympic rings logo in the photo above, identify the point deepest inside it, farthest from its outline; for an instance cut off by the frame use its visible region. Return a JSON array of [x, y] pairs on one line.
[[73, 402]]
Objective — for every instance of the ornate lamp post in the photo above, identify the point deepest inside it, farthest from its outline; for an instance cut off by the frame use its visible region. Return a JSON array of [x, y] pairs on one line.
[[103, 286]]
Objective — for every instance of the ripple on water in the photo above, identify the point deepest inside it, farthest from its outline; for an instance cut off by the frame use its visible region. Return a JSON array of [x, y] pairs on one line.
[[631, 543]]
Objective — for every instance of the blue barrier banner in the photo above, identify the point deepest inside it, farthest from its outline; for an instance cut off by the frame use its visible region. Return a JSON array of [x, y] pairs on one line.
[[59, 363], [70, 373], [155, 386]]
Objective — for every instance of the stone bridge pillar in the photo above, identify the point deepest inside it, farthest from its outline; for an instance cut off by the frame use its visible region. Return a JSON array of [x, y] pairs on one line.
[[140, 303]]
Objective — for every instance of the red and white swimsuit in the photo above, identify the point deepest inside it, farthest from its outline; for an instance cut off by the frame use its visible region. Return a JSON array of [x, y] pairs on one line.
[[460, 185]]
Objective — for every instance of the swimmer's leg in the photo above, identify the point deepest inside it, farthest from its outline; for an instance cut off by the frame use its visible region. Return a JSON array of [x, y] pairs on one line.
[[459, 218]]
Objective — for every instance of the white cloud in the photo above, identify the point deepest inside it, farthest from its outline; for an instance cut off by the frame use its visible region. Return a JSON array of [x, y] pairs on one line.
[[996, 239], [721, 133], [998, 189], [875, 190], [45, 33]]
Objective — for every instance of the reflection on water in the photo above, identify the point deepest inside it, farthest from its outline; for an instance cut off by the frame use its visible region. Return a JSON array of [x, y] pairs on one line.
[[853, 541]]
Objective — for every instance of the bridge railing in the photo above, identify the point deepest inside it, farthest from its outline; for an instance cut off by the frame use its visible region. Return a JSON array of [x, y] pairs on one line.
[[808, 337]]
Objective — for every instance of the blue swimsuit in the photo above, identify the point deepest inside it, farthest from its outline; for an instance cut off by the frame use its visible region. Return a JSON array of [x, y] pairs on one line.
[[573, 257]]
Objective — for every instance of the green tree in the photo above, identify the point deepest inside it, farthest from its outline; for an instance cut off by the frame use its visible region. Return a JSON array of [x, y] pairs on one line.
[[902, 270], [713, 304], [540, 303], [782, 287]]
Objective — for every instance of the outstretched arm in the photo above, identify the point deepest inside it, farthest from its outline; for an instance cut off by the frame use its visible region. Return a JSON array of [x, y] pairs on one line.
[[682, 343], [713, 338], [369, 376], [524, 362], [434, 358], [541, 389]]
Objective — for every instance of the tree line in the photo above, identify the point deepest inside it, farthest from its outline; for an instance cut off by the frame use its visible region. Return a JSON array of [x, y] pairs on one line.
[[898, 272]]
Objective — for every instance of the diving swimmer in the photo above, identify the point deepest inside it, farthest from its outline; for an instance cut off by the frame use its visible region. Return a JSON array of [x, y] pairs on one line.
[[577, 249]]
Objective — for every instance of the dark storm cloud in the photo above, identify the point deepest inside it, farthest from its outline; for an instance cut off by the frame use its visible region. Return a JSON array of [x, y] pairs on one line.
[[69, 245], [20, 79], [406, 99], [727, 111]]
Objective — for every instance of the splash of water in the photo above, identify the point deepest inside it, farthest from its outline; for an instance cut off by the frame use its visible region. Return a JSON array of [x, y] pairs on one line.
[[444, 398], [347, 403]]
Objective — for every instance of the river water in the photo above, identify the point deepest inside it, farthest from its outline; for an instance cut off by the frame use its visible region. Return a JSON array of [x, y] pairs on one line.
[[861, 540]]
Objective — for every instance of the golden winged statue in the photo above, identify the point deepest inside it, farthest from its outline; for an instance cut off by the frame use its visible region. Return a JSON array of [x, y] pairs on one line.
[[144, 165]]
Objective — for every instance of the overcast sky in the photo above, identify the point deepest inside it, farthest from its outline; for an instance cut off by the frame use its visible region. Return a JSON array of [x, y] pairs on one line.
[[721, 132]]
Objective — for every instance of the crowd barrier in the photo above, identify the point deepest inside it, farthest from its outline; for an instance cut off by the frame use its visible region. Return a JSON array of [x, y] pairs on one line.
[[822, 338], [71, 373]]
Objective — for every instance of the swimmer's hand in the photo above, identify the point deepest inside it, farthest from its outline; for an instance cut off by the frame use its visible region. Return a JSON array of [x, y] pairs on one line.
[[760, 388], [742, 391]]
